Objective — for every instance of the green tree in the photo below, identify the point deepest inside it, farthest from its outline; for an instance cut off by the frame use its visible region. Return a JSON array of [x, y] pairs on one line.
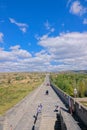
[[81, 91]]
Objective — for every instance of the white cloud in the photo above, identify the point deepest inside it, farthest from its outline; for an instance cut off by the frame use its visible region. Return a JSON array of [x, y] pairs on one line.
[[52, 29], [1, 37], [15, 47], [67, 51], [11, 61], [85, 21], [77, 8], [22, 26], [49, 27], [65, 40], [37, 36], [15, 54], [20, 53], [43, 37], [14, 60], [23, 29]]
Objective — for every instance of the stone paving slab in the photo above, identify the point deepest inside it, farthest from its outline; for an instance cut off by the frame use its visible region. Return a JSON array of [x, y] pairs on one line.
[[71, 124], [47, 123]]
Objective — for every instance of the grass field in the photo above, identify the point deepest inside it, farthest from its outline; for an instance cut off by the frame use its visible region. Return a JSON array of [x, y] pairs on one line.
[[15, 86]]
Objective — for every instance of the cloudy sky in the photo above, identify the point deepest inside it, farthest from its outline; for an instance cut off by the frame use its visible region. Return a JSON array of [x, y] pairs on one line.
[[43, 35]]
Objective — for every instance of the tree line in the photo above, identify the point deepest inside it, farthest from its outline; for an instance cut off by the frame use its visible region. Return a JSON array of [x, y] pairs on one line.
[[69, 81]]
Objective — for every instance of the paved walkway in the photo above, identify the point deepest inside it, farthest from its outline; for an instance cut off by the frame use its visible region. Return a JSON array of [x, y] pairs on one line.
[[21, 117]]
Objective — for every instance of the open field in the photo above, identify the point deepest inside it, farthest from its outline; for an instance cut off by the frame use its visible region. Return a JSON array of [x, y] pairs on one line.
[[15, 86]]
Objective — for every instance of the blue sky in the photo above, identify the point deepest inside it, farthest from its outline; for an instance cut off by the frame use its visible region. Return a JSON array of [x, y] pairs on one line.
[[43, 35]]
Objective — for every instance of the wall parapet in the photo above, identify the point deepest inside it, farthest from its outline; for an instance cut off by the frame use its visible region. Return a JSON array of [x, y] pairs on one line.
[[77, 107]]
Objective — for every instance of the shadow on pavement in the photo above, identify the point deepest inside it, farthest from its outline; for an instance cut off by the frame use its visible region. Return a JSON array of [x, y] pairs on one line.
[[35, 119], [33, 128], [80, 123], [57, 125]]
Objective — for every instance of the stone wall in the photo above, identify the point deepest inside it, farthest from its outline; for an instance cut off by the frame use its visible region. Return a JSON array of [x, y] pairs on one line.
[[78, 108]]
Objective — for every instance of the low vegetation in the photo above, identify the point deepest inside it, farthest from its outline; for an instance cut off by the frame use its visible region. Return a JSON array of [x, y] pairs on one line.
[[15, 86], [68, 81], [84, 103]]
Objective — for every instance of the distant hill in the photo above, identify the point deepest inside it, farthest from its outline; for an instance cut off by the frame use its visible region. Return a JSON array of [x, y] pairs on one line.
[[80, 71], [75, 71]]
